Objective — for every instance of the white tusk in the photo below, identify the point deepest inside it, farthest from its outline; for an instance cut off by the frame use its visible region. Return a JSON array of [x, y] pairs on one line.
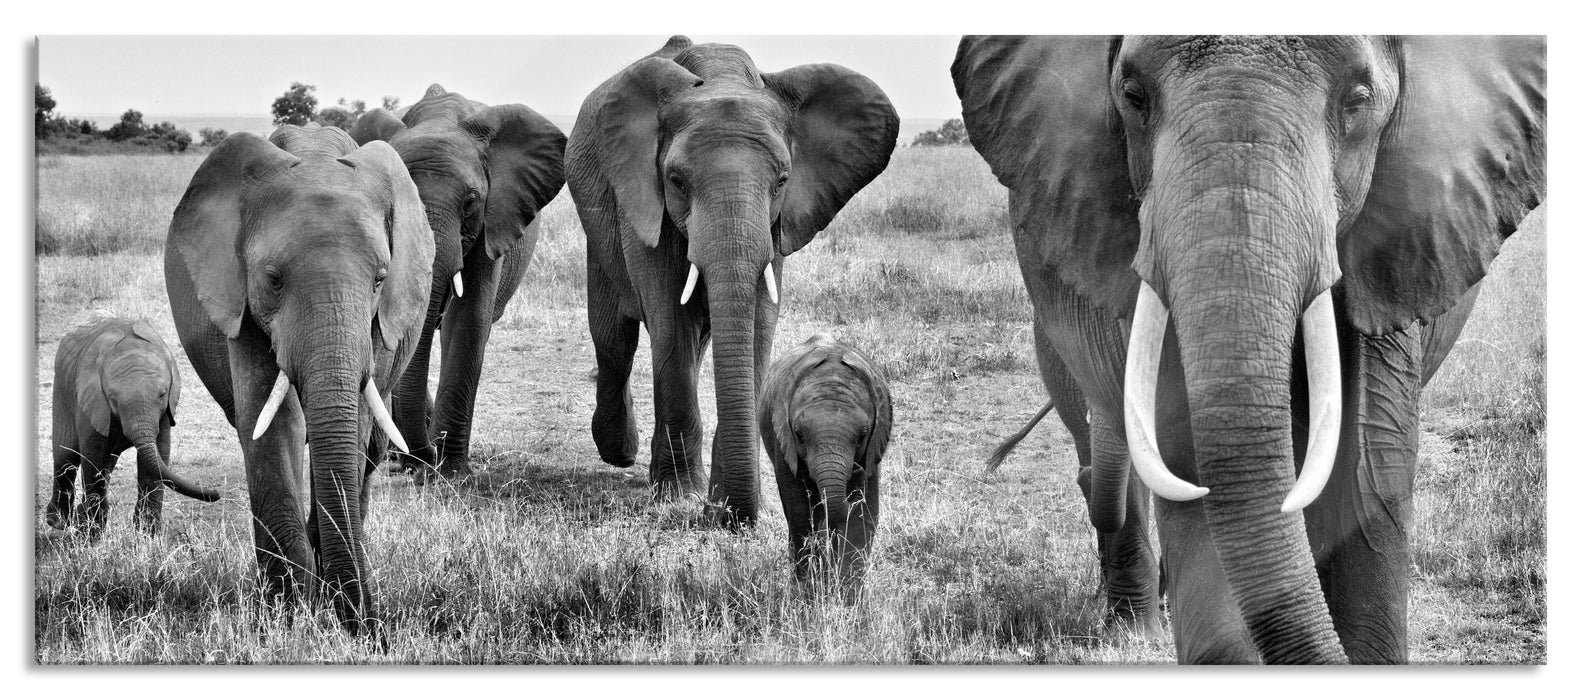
[[1322, 348], [455, 283], [1142, 376], [277, 395], [376, 406], [769, 280], [692, 281]]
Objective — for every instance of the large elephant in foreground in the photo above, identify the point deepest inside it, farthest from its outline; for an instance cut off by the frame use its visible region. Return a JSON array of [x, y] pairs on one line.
[[484, 174], [695, 175], [298, 272], [1251, 253]]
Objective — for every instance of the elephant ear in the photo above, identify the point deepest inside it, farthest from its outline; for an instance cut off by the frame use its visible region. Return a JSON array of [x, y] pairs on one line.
[[204, 242], [1038, 110], [524, 156], [878, 402], [145, 331], [91, 399], [403, 298], [843, 131], [627, 121], [1461, 162], [376, 125]]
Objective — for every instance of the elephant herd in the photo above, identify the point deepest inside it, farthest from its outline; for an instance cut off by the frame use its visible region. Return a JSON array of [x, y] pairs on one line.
[[1246, 256]]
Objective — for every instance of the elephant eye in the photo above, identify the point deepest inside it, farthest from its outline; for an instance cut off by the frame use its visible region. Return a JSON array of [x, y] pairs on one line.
[[780, 184], [677, 182], [1134, 94], [1357, 100], [472, 196], [273, 277], [379, 277]]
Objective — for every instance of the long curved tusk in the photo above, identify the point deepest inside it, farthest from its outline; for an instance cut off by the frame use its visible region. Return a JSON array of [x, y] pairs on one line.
[[1142, 375], [692, 281], [1322, 347], [455, 283], [769, 280], [277, 395], [376, 406]]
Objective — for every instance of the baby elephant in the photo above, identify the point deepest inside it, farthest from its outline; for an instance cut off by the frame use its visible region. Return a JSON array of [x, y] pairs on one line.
[[825, 420], [116, 387]]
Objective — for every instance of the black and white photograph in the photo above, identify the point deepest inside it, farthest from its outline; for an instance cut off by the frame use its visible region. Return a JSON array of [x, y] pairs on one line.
[[765, 349]]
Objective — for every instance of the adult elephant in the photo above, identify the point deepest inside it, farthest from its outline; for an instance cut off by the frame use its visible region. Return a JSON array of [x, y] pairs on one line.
[[1216, 194], [695, 175], [298, 271], [484, 174]]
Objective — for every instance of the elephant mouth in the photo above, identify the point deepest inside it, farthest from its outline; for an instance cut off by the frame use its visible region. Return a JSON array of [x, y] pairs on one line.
[[1322, 350]]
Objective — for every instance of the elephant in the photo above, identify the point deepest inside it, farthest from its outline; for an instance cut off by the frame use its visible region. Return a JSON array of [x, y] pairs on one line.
[[298, 272], [484, 174], [116, 387], [694, 175], [1251, 253], [825, 419]]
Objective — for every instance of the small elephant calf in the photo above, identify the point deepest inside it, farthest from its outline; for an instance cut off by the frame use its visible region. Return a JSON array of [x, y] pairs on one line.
[[825, 420], [116, 386]]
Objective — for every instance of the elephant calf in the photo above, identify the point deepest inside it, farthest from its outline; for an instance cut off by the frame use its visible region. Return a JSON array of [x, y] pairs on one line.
[[116, 386], [825, 420]]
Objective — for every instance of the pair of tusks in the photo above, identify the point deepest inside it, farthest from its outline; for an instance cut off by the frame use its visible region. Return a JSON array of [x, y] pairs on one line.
[[376, 406], [769, 279], [1323, 388]]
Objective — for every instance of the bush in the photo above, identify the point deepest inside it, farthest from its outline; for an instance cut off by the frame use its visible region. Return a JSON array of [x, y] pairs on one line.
[[212, 137], [952, 133]]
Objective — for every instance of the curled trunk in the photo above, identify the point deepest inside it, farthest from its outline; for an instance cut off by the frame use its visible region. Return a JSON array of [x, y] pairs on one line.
[[148, 461]]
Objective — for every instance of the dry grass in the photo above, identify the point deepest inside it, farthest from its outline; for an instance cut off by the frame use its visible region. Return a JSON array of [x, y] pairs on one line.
[[553, 557]]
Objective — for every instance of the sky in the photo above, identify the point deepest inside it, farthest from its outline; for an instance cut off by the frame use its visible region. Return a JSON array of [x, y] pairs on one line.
[[242, 75]]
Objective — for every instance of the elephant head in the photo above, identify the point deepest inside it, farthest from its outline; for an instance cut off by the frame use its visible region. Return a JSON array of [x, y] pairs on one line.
[[484, 173], [312, 259], [825, 416], [1218, 188], [696, 144]]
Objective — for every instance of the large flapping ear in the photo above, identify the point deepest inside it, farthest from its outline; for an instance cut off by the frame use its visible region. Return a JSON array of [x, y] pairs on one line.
[[1461, 162], [92, 400], [1038, 110], [403, 298], [879, 404], [843, 131], [376, 125], [144, 330], [204, 242], [524, 156], [775, 406], [628, 135]]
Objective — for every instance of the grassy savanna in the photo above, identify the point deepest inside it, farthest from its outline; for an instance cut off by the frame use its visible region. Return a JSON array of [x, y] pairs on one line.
[[551, 556]]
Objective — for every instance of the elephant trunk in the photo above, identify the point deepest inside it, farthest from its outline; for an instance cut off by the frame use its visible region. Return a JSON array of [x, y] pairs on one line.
[[1238, 245], [830, 463], [733, 307], [330, 379], [149, 462]]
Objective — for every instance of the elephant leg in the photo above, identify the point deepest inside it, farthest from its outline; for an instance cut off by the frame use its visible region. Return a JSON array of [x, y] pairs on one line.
[[412, 407], [274, 464], [1359, 528], [1206, 622], [464, 336], [1127, 563], [861, 526], [797, 502], [98, 461], [148, 512], [615, 338], [63, 491], [676, 466]]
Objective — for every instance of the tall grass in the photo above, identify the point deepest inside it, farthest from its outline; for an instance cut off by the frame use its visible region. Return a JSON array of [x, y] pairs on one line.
[[549, 556], [108, 204]]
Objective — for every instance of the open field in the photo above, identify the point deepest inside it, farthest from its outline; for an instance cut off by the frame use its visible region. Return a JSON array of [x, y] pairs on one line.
[[550, 556]]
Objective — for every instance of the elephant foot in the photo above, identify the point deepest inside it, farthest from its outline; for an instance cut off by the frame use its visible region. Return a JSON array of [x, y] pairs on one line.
[[1146, 629], [619, 462], [727, 518], [57, 518]]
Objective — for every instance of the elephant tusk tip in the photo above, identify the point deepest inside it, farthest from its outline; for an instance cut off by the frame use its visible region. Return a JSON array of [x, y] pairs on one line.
[[1294, 503]]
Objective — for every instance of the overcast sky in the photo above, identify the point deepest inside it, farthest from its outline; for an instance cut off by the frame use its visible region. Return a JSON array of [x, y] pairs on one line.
[[242, 75]]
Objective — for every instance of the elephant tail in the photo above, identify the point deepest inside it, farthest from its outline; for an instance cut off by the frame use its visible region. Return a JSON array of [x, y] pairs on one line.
[[1010, 443], [148, 454]]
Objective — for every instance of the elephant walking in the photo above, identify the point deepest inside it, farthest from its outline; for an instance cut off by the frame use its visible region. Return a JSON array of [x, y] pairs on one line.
[[1289, 231], [298, 272], [484, 174], [694, 175]]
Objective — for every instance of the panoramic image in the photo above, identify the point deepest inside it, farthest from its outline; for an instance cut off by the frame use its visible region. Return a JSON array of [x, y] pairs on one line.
[[805, 350]]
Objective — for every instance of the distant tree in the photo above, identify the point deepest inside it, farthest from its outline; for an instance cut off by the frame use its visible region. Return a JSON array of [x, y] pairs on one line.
[[131, 126], [212, 137], [165, 135], [43, 106], [342, 114], [952, 133], [391, 103], [297, 106]]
